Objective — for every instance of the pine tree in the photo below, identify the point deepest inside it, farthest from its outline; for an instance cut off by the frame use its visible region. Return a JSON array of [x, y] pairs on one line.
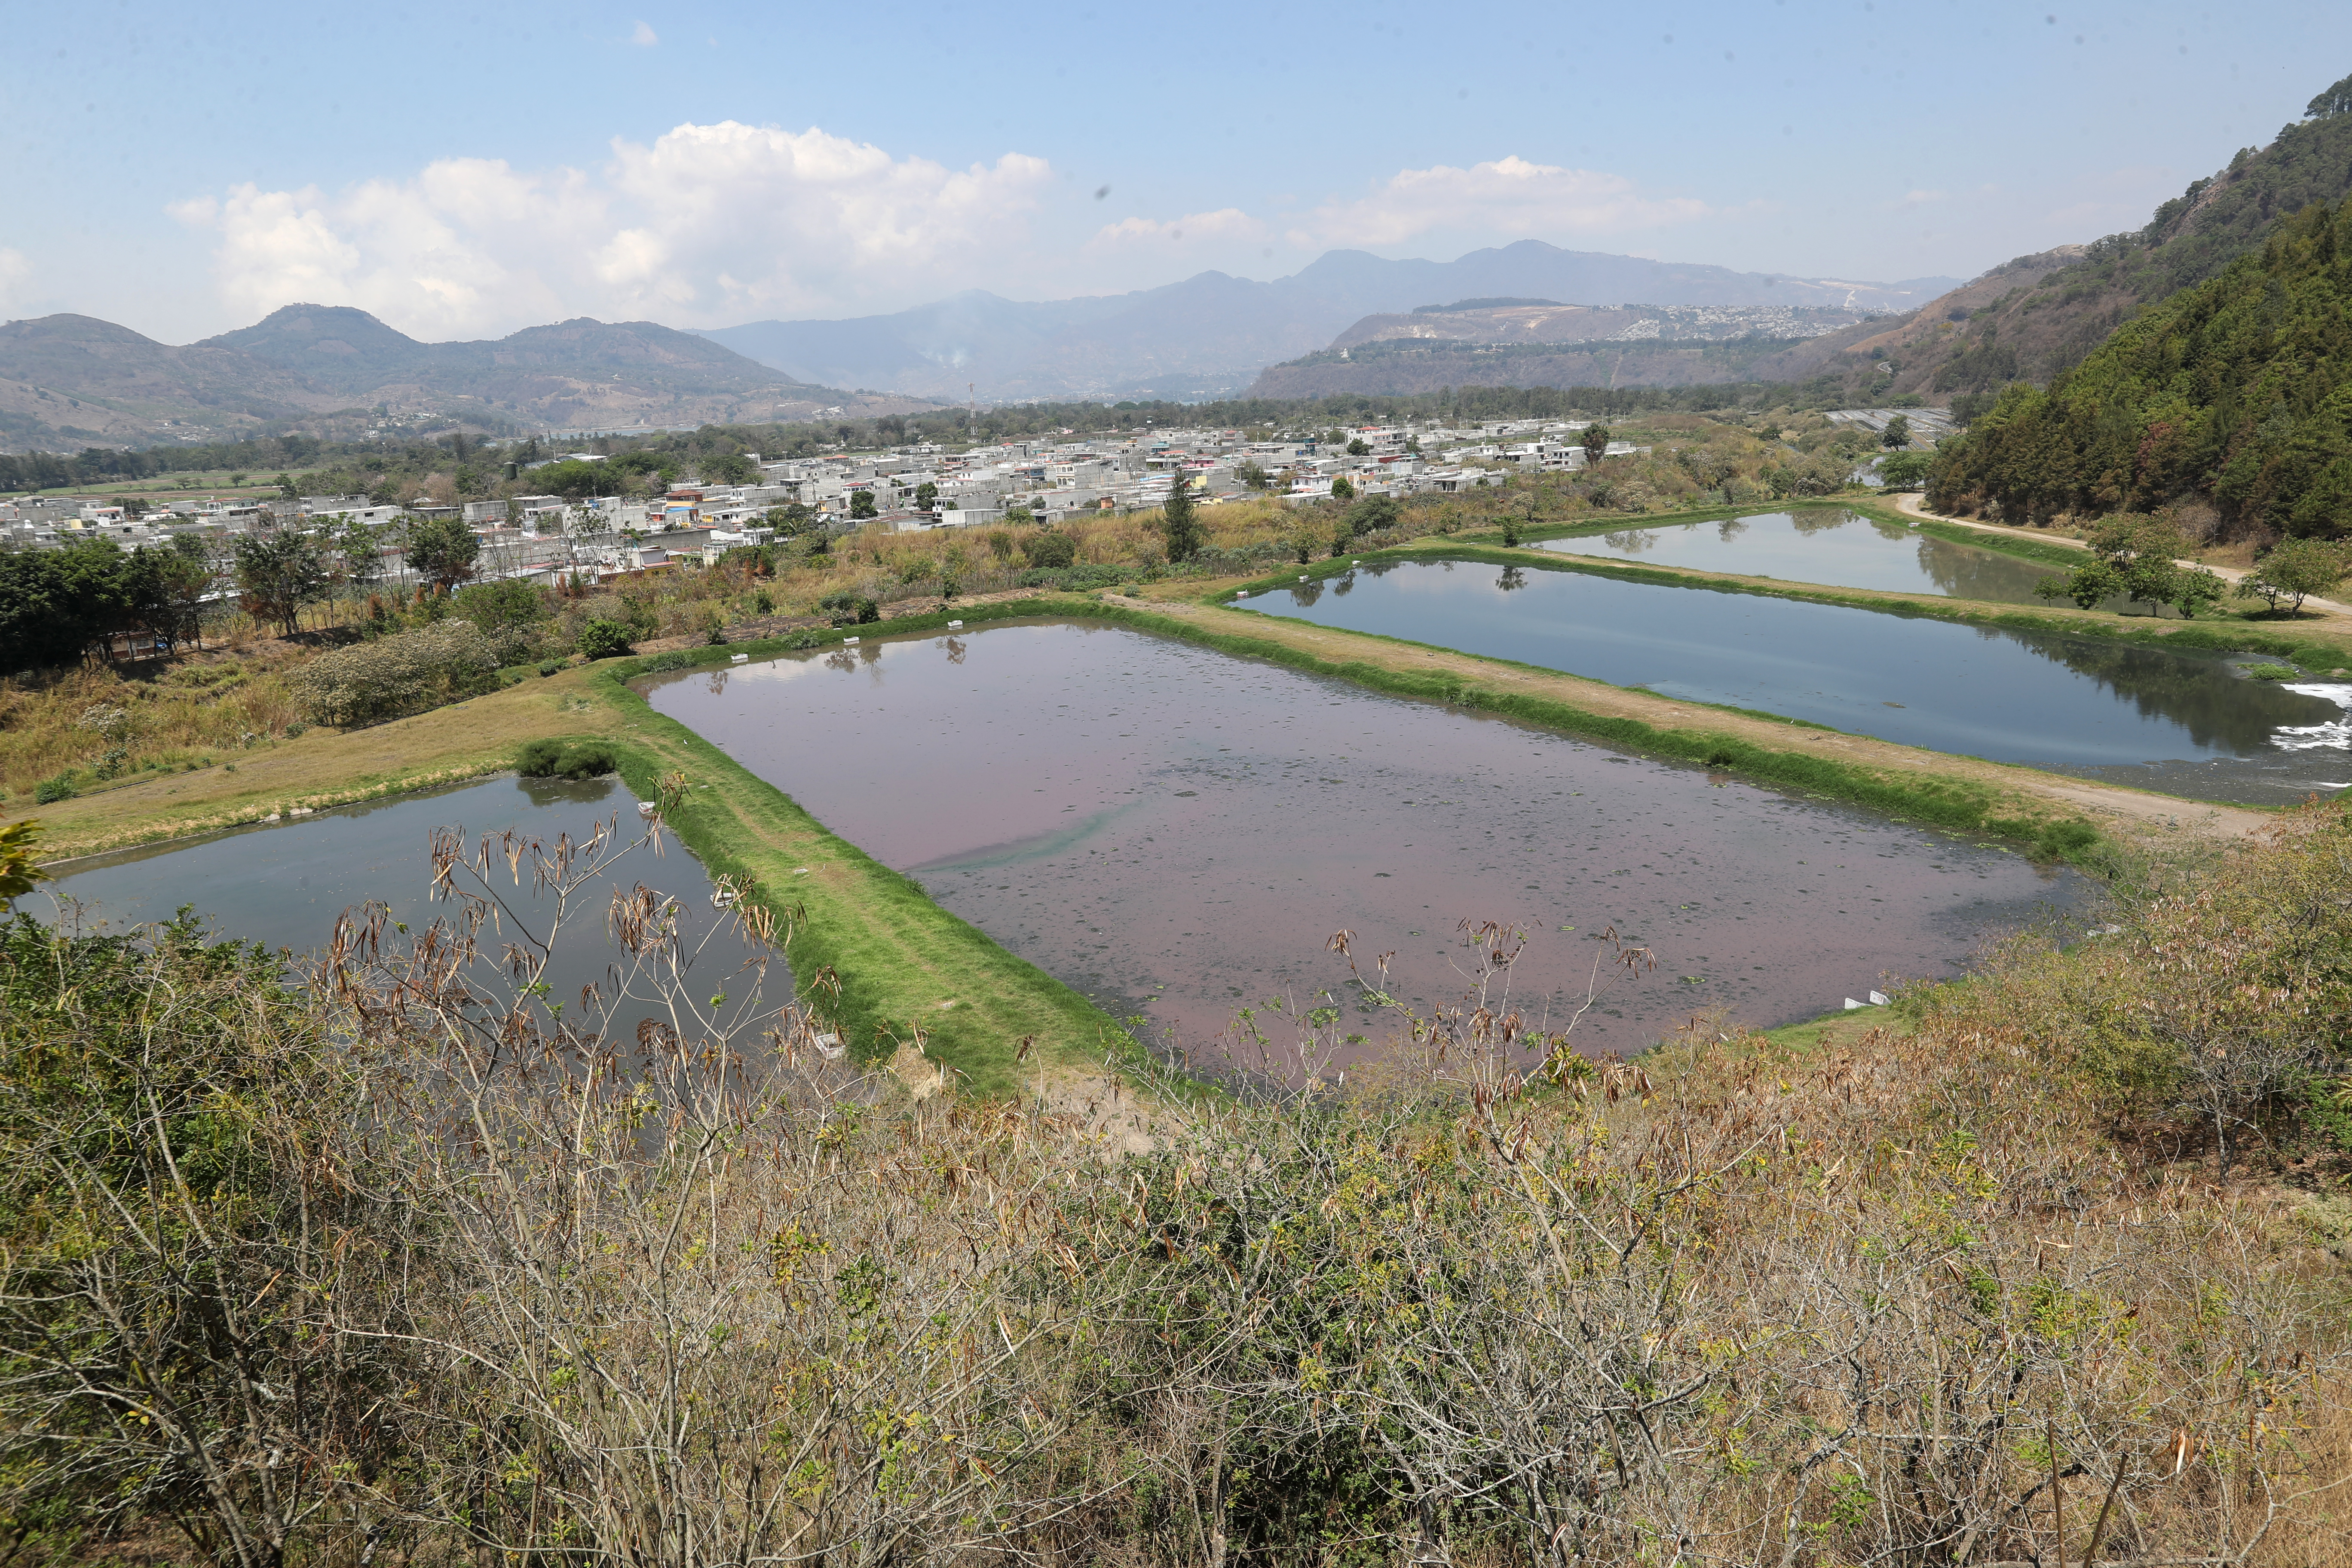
[[1180, 522]]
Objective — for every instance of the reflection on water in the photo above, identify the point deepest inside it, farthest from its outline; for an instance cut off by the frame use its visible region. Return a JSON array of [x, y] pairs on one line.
[[283, 886], [1178, 832], [1826, 545], [2187, 723]]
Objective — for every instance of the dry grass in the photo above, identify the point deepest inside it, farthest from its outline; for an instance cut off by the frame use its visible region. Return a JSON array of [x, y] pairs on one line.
[[175, 715], [321, 767]]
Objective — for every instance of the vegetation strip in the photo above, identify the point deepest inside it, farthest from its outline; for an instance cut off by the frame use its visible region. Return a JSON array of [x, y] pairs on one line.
[[1939, 799], [2220, 636]]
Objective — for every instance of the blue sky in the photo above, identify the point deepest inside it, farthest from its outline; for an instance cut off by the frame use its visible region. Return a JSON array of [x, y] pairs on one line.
[[464, 170]]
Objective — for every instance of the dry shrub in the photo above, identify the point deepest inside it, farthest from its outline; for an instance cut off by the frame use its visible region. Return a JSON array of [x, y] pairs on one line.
[[404, 673], [214, 700], [655, 1280], [2198, 521]]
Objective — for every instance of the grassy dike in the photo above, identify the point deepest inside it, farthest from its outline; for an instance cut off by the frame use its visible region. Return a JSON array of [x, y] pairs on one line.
[[1943, 799], [2313, 649], [870, 950]]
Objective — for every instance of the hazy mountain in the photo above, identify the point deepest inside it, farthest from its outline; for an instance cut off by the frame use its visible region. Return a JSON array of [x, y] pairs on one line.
[[67, 381], [336, 348], [72, 379], [1530, 342], [1213, 332]]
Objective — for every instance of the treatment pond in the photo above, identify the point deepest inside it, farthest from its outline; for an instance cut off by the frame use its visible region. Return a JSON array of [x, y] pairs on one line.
[[2189, 724], [1178, 832], [284, 885], [1827, 545]]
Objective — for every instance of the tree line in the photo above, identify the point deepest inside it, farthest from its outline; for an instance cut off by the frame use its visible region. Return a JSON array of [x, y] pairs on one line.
[[60, 607], [2239, 390]]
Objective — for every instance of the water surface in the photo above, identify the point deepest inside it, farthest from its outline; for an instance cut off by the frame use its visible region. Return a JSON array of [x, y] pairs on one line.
[[1178, 832], [1827, 545], [283, 885], [2189, 724]]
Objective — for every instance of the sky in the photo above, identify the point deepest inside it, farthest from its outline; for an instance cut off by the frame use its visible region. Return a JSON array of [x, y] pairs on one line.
[[462, 172]]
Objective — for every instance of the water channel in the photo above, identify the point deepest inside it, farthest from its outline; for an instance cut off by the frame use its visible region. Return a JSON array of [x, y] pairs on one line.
[[1177, 832], [2189, 724], [283, 885], [1827, 545]]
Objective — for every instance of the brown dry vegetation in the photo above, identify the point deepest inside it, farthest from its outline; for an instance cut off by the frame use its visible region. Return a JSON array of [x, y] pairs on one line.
[[440, 1276], [227, 699]]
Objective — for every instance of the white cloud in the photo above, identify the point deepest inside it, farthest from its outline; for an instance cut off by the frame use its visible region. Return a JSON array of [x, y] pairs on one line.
[[1510, 195], [645, 37], [1227, 226], [15, 271], [706, 225]]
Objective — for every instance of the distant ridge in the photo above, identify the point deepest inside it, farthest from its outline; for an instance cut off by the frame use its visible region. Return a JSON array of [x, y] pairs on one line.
[[69, 381], [1212, 333], [1477, 305]]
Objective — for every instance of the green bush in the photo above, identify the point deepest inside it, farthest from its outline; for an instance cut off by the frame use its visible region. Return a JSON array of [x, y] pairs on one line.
[[2271, 672], [56, 788], [404, 673], [849, 610], [1050, 550], [538, 759], [550, 666], [677, 659], [507, 613], [603, 639], [553, 759], [1904, 471], [803, 639], [1372, 514]]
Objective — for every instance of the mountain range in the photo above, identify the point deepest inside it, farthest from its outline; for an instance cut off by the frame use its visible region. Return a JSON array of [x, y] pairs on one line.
[[1210, 334], [332, 371]]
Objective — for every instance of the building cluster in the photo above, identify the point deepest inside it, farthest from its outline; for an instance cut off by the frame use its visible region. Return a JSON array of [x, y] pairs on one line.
[[1051, 479], [908, 489]]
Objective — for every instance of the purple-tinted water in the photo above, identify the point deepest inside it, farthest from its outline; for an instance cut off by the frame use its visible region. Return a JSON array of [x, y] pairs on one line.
[[1177, 832]]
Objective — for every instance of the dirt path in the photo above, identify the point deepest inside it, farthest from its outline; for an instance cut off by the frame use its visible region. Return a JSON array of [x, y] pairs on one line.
[[2128, 812], [1913, 504]]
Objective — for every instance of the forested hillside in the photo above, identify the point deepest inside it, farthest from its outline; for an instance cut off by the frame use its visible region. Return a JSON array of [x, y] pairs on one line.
[[2044, 321], [2237, 390]]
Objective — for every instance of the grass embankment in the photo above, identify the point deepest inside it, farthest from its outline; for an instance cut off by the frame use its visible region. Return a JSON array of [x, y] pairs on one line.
[[870, 950], [2317, 643], [2046, 812], [318, 768]]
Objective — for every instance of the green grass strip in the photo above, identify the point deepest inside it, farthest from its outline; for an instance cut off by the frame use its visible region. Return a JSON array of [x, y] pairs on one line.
[[895, 953], [2193, 636], [1961, 804]]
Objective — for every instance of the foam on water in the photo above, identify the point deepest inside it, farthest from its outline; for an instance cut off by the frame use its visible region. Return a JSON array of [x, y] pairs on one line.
[[2335, 735]]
